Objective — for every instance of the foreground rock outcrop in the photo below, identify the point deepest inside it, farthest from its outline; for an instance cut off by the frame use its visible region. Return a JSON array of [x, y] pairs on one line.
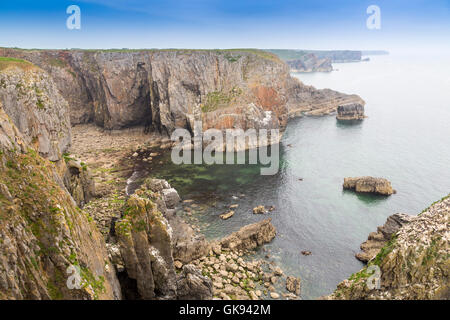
[[414, 264], [369, 185], [352, 111], [144, 238], [166, 89], [42, 231], [378, 239]]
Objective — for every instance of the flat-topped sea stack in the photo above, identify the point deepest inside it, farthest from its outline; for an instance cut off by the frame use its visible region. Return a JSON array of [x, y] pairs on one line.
[[369, 185], [350, 111]]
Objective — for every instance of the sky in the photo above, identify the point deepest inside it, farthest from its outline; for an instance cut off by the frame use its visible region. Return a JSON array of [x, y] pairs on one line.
[[278, 24]]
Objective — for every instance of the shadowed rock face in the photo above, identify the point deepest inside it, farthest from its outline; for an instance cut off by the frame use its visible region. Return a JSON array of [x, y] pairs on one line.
[[33, 103], [352, 111], [42, 232], [171, 88], [369, 185]]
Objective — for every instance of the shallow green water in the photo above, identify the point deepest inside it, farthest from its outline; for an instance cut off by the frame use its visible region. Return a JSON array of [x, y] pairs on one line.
[[406, 138]]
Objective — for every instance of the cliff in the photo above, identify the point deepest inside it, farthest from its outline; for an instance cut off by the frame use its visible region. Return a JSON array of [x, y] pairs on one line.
[[310, 63], [414, 264], [44, 237], [165, 89]]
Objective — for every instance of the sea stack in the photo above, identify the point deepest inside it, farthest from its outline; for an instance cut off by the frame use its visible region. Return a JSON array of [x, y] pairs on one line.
[[369, 185], [351, 111]]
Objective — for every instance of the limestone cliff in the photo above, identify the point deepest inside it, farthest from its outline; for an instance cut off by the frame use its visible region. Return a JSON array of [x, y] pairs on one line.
[[414, 264], [166, 89], [45, 239], [310, 63], [43, 232], [33, 103]]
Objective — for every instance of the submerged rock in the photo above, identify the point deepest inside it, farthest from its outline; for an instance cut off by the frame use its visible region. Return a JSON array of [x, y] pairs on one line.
[[369, 185], [351, 111], [259, 210], [227, 215]]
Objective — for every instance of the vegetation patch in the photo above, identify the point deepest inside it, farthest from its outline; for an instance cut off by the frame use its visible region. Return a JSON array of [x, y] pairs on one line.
[[219, 99], [7, 63]]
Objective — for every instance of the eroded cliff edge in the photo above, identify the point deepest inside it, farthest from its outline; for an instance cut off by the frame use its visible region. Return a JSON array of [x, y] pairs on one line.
[[414, 264], [165, 89], [42, 231]]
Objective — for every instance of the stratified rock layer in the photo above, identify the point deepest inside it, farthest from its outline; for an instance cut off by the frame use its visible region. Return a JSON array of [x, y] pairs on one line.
[[43, 233], [369, 185], [310, 63], [378, 240], [166, 89], [351, 111]]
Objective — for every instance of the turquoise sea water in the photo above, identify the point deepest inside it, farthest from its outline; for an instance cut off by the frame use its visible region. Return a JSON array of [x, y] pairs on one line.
[[406, 138]]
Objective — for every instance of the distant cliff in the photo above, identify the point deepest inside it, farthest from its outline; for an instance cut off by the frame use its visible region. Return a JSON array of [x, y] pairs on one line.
[[165, 89], [310, 63], [332, 55]]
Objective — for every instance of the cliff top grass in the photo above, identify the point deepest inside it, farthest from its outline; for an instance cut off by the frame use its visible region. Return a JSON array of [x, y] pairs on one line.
[[8, 63], [258, 52]]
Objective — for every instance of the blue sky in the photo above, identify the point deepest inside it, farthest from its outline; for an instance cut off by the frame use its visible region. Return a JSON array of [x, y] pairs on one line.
[[312, 24]]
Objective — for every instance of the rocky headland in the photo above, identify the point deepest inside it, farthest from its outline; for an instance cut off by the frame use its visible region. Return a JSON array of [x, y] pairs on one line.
[[310, 63], [414, 263]]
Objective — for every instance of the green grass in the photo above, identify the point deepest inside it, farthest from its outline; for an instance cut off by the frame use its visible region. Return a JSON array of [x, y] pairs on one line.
[[7, 62]]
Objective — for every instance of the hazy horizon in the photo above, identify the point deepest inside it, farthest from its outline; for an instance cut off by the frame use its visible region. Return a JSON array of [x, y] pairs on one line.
[[314, 25]]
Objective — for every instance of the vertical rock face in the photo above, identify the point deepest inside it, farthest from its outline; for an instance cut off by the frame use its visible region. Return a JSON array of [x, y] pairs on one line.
[[166, 89], [414, 264], [31, 100], [352, 111], [43, 233], [378, 240], [145, 240], [79, 182], [310, 63]]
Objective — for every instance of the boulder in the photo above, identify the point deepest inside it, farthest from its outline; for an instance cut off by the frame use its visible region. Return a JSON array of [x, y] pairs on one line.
[[250, 236], [369, 185], [192, 285]]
